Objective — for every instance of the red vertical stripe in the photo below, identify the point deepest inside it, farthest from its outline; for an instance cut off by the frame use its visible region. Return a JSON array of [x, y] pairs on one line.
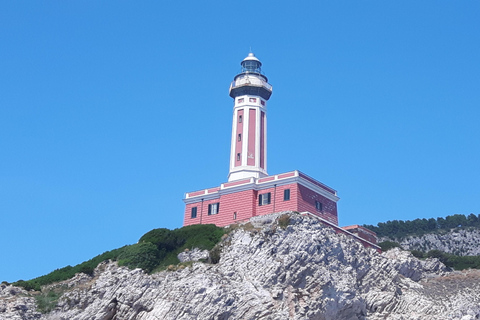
[[238, 144], [252, 120]]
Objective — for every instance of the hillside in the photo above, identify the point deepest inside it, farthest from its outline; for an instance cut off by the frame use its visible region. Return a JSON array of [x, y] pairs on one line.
[[453, 239], [290, 267], [461, 242]]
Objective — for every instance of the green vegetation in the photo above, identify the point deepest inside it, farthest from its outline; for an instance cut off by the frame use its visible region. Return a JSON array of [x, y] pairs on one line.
[[387, 245], [284, 221], [155, 250], [143, 255], [399, 229], [68, 271], [450, 260], [46, 302]]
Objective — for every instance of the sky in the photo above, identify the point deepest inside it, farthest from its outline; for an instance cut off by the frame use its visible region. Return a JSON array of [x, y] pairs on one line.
[[111, 110]]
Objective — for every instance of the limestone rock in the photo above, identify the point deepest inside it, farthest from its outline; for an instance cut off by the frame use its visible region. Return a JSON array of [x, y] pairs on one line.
[[462, 242], [303, 271], [193, 255], [16, 304]]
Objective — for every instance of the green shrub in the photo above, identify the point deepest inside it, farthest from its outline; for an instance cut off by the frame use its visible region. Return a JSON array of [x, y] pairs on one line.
[[215, 254], [387, 245], [156, 248], [143, 255], [163, 238], [418, 254], [68, 272], [284, 221], [202, 236]]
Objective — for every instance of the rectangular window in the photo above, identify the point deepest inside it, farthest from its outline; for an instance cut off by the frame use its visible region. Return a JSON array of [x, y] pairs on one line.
[[240, 100], [262, 102], [318, 205], [240, 119], [213, 208], [264, 199], [253, 100], [238, 156], [286, 194], [239, 137], [234, 216], [194, 213]]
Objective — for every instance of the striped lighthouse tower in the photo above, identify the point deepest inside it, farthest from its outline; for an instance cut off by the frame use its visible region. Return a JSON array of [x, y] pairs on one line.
[[250, 90]]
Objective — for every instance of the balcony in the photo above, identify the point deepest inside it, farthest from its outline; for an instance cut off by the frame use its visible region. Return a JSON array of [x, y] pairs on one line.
[[250, 84]]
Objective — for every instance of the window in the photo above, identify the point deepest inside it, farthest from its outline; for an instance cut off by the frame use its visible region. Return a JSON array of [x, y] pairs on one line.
[[239, 137], [286, 194], [234, 216], [264, 199], [262, 102], [238, 156], [240, 100], [253, 100], [240, 119], [213, 208], [194, 213], [318, 205]]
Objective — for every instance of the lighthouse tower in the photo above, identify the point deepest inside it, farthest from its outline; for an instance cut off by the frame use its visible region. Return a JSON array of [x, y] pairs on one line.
[[250, 91]]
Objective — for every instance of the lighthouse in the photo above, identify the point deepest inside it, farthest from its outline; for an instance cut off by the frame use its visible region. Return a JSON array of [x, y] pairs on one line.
[[250, 91], [250, 191]]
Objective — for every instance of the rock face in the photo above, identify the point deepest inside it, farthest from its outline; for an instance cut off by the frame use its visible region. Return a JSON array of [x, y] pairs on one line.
[[15, 303], [193, 255], [305, 271], [459, 242]]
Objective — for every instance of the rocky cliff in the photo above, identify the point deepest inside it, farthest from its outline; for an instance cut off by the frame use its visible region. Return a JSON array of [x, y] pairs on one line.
[[302, 271], [462, 242]]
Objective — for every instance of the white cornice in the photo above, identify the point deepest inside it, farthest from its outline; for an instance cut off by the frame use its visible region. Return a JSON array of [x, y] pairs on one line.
[[256, 185]]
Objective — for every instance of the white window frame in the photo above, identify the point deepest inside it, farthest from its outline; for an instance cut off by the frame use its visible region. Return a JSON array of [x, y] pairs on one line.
[[213, 208]]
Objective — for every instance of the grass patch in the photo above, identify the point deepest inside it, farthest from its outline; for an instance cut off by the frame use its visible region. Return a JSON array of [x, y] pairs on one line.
[[284, 221], [46, 302]]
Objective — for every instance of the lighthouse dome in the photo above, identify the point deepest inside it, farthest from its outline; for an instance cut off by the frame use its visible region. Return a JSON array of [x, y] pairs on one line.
[[251, 64]]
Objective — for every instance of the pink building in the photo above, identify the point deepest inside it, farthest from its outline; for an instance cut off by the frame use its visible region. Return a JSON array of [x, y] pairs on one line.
[[250, 191], [242, 199]]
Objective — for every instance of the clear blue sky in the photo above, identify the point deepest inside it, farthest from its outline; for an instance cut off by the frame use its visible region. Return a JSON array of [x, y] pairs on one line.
[[111, 110]]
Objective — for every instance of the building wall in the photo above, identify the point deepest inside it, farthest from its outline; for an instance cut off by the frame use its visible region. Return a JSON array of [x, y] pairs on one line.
[[306, 202], [240, 202], [277, 203], [246, 205], [366, 235], [362, 232]]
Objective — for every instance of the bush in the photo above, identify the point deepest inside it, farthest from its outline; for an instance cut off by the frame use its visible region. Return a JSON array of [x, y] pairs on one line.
[[202, 236], [284, 221], [155, 249], [163, 238], [215, 254], [418, 254], [387, 245], [68, 272], [143, 255]]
